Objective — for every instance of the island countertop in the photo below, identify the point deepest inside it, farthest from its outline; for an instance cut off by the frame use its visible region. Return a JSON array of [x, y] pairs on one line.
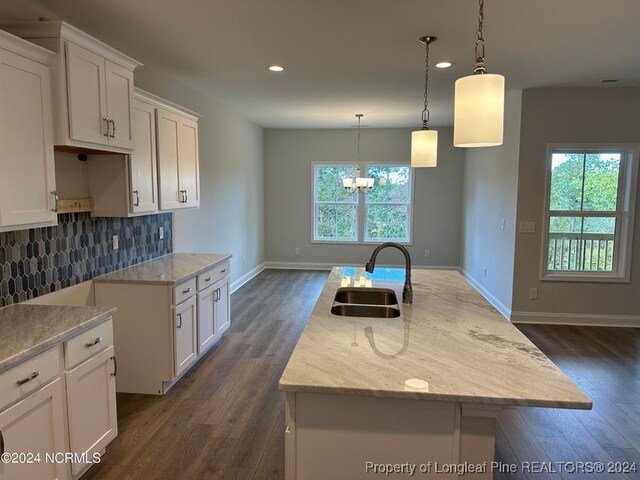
[[166, 270], [26, 330], [450, 339]]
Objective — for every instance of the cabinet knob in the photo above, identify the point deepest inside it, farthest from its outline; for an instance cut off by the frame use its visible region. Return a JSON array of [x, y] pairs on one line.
[[33, 376]]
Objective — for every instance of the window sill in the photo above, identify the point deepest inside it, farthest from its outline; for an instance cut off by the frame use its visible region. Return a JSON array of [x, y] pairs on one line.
[[585, 277], [359, 242]]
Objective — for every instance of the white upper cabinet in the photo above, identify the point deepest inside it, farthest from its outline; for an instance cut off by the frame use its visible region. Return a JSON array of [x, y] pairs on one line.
[[178, 158], [93, 84], [27, 183], [143, 161]]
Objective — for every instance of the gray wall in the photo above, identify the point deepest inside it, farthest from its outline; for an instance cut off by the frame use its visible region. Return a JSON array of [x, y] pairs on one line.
[[231, 214], [597, 115], [289, 154], [490, 182]]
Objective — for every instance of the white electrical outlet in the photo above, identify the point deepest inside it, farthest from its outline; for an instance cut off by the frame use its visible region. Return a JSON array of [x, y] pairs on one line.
[[533, 294], [114, 241], [161, 233], [527, 227], [297, 251], [427, 253]]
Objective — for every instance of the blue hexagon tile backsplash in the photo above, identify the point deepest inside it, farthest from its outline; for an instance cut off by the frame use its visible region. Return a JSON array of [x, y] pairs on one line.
[[41, 260]]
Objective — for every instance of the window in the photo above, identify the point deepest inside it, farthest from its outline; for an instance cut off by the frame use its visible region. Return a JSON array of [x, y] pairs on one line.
[[589, 214], [383, 214]]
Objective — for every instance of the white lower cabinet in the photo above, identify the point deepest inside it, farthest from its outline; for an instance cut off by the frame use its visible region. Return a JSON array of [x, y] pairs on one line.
[[91, 395], [185, 328], [37, 418], [206, 318], [161, 330], [34, 426]]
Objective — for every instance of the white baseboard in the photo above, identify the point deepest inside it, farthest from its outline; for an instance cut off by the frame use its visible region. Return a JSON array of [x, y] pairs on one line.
[[584, 319], [246, 277], [490, 297], [329, 266]]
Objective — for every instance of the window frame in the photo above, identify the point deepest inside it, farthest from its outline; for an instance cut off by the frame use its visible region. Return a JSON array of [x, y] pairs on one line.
[[361, 204], [624, 214]]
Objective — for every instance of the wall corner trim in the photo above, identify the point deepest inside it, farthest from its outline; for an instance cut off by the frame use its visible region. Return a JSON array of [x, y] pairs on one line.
[[490, 297], [235, 285], [582, 319]]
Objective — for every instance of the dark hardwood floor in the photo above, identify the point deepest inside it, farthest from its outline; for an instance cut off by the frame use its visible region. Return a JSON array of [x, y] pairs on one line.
[[225, 418]]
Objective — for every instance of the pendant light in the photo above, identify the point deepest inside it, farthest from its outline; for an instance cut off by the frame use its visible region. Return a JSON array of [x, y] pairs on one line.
[[359, 184], [479, 102], [424, 142]]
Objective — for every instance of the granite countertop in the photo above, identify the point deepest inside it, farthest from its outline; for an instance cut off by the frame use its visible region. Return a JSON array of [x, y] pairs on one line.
[[167, 270], [456, 345], [26, 330]]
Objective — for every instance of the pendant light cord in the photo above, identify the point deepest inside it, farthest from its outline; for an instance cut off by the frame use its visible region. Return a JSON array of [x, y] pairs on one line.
[[425, 110], [480, 47]]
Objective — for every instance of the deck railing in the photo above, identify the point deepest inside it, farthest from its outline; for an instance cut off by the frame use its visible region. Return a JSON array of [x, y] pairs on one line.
[[586, 252]]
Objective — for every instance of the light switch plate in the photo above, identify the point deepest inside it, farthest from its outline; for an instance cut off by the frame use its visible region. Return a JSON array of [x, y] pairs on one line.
[[527, 227]]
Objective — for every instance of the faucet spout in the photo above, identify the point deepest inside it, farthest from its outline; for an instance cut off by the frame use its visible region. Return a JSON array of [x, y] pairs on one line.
[[407, 291]]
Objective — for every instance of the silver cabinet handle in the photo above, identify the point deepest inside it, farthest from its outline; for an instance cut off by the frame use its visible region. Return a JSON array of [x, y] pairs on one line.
[[179, 318], [107, 124], [137, 202], [223, 270], [33, 376], [182, 196], [186, 197], [186, 290], [113, 128], [115, 366], [95, 342], [56, 201], [208, 279]]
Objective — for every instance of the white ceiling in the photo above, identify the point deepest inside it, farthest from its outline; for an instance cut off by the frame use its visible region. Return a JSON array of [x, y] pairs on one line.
[[348, 56]]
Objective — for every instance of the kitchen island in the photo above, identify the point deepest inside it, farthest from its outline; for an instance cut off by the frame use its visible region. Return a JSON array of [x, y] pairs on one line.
[[418, 391]]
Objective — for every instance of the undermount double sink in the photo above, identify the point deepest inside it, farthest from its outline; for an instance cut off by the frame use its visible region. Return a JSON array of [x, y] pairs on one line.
[[365, 302]]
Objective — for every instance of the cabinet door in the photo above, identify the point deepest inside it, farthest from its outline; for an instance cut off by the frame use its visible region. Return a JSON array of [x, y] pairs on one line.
[[185, 338], [206, 318], [35, 425], [91, 399], [119, 84], [142, 162], [26, 136], [189, 162], [223, 310], [168, 130], [86, 95]]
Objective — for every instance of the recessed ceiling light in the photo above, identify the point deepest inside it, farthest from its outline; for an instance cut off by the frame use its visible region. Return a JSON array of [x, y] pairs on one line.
[[276, 68], [443, 64]]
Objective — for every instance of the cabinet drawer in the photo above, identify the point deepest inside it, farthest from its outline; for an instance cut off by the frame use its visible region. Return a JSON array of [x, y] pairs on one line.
[[212, 275], [183, 291], [32, 374], [88, 343]]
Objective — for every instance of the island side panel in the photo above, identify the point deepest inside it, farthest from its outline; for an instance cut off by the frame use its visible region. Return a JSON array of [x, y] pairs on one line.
[[343, 436], [478, 438], [142, 329]]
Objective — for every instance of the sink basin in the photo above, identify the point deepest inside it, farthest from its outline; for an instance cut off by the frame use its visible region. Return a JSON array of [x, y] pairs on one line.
[[375, 311], [366, 296]]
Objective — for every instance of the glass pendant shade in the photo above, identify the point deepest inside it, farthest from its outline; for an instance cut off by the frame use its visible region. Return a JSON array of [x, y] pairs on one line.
[[424, 148], [479, 111]]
